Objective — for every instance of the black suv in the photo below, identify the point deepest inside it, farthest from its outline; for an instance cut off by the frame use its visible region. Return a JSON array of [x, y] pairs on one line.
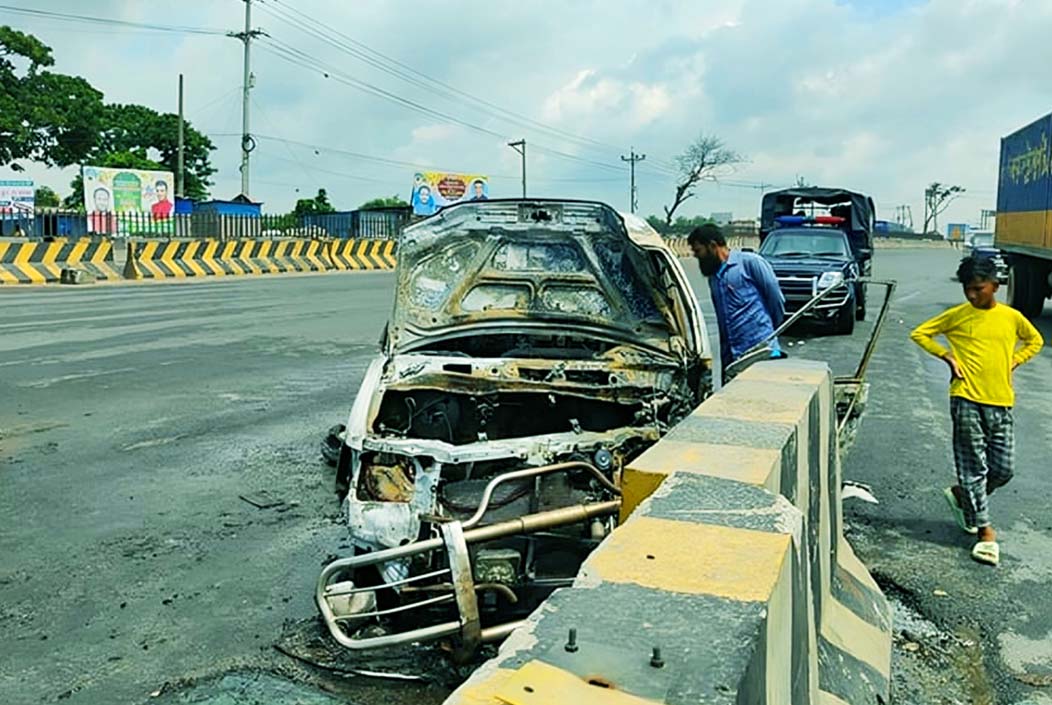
[[810, 258]]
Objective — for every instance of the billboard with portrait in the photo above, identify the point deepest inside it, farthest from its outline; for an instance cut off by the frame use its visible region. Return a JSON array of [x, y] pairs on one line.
[[434, 189], [16, 197], [111, 192]]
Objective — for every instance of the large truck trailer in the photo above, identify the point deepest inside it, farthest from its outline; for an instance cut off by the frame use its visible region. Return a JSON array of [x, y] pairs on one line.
[[1024, 215]]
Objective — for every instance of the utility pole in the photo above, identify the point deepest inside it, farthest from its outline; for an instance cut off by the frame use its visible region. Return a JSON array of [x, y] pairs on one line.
[[632, 159], [520, 147], [247, 142], [179, 178]]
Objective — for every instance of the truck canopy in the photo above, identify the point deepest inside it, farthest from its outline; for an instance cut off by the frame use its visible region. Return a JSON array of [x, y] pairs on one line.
[[858, 209]]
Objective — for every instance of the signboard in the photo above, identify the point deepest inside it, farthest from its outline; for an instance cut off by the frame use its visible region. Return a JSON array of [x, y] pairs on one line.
[[109, 191], [957, 231], [16, 197], [435, 189]]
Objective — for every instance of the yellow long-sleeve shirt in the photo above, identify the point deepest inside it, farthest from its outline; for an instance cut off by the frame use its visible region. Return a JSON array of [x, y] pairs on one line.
[[986, 345]]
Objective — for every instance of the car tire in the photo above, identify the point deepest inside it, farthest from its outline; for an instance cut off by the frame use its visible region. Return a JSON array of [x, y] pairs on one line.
[[845, 319]]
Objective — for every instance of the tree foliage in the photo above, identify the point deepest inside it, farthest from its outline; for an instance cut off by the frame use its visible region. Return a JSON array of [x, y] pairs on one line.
[[937, 198], [136, 128], [314, 206], [61, 120], [704, 159], [44, 117], [378, 203], [45, 197], [680, 227]]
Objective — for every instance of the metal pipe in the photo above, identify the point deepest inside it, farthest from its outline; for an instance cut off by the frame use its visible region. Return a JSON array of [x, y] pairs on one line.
[[487, 494], [395, 610], [543, 520], [503, 589], [881, 317], [371, 588], [499, 631]]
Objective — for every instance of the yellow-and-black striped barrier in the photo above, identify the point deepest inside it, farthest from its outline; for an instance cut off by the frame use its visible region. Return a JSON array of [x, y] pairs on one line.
[[731, 560], [362, 254], [158, 259], [37, 262]]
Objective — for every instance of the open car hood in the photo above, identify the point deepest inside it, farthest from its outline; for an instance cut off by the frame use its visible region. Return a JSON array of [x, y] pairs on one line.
[[558, 267]]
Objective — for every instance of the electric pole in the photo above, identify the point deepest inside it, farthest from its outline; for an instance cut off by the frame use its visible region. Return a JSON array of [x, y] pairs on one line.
[[179, 179], [247, 142], [520, 147], [632, 159]]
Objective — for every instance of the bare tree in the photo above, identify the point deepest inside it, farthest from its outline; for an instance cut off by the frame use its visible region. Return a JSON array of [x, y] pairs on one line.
[[704, 159], [937, 197]]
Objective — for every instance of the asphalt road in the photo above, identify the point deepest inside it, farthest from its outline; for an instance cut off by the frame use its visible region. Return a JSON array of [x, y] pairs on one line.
[[135, 418]]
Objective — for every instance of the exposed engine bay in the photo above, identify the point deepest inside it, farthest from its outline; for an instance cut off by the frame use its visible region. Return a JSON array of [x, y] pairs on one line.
[[482, 459]]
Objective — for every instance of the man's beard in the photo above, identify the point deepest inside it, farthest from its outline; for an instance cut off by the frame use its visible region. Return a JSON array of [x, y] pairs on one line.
[[709, 265]]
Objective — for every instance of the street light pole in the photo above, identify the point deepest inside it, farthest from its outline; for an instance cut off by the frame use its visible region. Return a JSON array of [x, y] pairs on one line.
[[520, 147]]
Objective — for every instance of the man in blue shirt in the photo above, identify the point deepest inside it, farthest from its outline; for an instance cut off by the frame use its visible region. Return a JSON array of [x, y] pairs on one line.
[[745, 293]]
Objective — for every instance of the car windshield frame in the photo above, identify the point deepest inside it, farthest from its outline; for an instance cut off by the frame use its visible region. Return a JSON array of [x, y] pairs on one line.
[[789, 236]]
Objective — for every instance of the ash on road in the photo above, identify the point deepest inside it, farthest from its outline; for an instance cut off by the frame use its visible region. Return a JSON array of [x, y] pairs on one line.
[[135, 418]]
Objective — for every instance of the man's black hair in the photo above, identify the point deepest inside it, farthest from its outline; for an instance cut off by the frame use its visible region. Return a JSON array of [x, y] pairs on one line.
[[976, 269], [477, 181], [707, 234], [161, 182], [100, 188]]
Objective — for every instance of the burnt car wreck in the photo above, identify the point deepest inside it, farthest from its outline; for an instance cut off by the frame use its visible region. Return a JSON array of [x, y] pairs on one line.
[[534, 348]]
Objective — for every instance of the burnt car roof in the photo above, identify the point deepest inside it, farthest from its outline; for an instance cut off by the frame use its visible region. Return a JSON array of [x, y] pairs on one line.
[[565, 266]]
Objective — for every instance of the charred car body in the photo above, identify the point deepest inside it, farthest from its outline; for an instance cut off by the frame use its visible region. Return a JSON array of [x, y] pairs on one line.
[[534, 348]]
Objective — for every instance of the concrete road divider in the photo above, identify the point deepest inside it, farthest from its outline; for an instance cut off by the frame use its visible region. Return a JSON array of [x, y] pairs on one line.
[[729, 580], [39, 262], [159, 259], [362, 254]]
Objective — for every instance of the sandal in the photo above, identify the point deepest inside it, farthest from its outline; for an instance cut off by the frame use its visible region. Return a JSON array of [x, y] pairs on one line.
[[958, 512], [987, 552]]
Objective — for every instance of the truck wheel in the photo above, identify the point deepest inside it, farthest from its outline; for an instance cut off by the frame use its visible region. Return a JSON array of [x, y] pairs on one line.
[[1026, 290], [845, 319]]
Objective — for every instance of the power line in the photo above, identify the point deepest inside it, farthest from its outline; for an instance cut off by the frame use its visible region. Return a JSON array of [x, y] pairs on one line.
[[309, 62], [405, 72], [110, 22]]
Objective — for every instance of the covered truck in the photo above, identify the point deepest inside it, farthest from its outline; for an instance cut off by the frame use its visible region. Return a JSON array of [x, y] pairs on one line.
[[856, 209], [1024, 215]]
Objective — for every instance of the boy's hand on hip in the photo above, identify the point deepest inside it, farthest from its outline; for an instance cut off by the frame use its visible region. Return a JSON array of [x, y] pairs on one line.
[[955, 370]]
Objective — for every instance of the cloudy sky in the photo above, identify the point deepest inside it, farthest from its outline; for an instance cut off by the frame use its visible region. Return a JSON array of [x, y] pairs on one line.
[[883, 96]]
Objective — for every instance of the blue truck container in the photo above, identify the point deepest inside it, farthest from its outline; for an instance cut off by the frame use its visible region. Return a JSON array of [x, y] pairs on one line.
[[1024, 214]]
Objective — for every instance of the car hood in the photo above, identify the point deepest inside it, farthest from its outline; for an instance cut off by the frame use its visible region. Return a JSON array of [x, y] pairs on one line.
[[555, 266], [807, 264]]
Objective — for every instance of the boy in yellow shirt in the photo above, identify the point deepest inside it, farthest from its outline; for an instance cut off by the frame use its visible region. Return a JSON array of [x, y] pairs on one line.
[[984, 338]]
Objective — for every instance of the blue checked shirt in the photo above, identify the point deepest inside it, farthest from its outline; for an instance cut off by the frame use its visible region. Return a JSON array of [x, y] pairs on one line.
[[749, 304]]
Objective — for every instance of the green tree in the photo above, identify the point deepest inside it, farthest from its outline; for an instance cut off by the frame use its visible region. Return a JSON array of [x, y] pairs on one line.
[[44, 197], [44, 117], [378, 203], [311, 206], [130, 159], [134, 128], [658, 224]]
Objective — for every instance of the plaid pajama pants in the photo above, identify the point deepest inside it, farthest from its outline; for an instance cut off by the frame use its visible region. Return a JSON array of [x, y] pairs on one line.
[[984, 453]]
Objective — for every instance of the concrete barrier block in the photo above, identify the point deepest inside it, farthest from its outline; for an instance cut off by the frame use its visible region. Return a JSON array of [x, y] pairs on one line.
[[731, 550]]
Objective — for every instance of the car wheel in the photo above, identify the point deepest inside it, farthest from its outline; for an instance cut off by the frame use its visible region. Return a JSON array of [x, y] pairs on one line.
[[845, 320], [332, 443]]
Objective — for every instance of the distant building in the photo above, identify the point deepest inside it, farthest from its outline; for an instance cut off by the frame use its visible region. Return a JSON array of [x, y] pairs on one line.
[[722, 218]]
